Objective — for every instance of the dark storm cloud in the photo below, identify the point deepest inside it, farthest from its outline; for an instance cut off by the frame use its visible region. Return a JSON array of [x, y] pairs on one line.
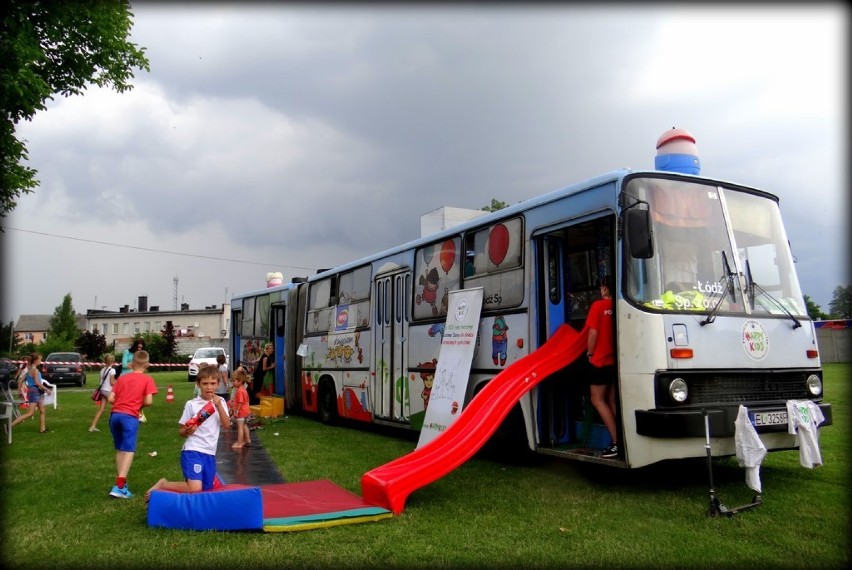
[[308, 136]]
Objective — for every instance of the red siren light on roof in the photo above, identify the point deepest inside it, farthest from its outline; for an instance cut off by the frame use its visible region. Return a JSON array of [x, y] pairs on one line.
[[274, 279], [676, 152], [675, 134]]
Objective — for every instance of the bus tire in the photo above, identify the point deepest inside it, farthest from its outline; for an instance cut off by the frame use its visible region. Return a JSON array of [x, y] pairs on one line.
[[327, 402]]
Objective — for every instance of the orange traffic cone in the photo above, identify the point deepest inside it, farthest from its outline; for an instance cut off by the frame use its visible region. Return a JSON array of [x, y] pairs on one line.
[[170, 395]]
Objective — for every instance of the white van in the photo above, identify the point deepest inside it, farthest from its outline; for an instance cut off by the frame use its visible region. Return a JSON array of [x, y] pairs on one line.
[[205, 355]]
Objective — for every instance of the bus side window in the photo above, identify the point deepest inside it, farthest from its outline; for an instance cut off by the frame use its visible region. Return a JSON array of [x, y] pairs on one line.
[[320, 303], [469, 253]]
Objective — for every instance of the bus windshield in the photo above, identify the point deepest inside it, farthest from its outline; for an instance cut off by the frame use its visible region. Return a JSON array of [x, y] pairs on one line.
[[716, 250]]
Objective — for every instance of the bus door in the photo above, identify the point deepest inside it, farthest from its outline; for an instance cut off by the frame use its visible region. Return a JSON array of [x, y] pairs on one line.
[[392, 297], [236, 353], [570, 263], [553, 308], [553, 295], [279, 342]]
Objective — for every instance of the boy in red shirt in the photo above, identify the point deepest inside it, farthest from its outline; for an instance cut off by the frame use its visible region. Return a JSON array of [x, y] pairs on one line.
[[129, 395]]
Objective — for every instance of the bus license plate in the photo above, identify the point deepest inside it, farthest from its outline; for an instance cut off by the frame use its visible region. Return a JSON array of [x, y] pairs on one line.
[[761, 419]]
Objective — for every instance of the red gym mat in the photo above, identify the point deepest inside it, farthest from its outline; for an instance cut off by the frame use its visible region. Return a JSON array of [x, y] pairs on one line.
[[314, 504]]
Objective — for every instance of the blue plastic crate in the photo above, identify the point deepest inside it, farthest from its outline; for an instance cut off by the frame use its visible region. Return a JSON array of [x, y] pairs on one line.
[[594, 436]]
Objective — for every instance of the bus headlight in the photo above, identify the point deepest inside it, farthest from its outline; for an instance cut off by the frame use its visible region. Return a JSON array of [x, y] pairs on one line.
[[678, 390], [814, 385]]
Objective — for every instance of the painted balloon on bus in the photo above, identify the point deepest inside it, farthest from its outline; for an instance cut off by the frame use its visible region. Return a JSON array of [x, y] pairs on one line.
[[498, 244], [428, 253], [448, 255]]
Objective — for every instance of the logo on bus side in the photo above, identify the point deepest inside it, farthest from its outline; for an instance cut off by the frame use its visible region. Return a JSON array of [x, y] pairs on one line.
[[461, 310], [755, 340]]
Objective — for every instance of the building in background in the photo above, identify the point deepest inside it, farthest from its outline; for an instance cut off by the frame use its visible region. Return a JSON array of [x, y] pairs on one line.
[[118, 327], [446, 217], [34, 328], [211, 322]]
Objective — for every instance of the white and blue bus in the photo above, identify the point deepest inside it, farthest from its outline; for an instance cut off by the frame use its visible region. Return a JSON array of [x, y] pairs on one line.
[[708, 316]]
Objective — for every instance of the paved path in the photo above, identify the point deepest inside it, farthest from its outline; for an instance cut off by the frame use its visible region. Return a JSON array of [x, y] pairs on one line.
[[247, 466]]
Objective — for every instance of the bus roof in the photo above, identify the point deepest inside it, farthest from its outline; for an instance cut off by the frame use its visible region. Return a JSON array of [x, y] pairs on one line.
[[256, 292]]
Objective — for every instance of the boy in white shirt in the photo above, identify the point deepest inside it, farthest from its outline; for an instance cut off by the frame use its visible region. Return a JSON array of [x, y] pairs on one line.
[[201, 430]]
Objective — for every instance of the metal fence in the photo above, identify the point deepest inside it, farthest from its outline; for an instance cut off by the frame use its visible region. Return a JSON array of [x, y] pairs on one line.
[[835, 344]]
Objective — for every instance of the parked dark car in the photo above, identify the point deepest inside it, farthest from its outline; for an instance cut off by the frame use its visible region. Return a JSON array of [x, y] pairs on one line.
[[8, 371], [64, 368]]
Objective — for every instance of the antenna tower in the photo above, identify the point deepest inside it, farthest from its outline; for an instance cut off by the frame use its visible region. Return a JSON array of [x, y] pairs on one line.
[[175, 298]]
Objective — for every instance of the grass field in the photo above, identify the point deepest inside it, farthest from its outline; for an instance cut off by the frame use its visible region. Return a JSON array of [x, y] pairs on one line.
[[553, 514]]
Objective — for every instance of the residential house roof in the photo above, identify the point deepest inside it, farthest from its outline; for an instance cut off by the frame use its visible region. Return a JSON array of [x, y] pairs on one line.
[[39, 323]]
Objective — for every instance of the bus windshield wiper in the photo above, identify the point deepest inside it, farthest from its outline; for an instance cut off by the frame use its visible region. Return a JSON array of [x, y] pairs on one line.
[[711, 317], [749, 284], [729, 286], [796, 323], [730, 277], [753, 286]]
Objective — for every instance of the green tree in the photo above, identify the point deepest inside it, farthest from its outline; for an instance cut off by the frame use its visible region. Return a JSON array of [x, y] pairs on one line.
[[92, 344], [63, 331], [154, 345], [27, 349], [814, 310], [495, 205], [170, 343], [9, 343], [55, 344], [841, 303], [49, 48]]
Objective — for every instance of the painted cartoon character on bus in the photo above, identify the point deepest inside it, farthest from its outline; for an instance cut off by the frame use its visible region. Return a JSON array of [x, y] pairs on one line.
[[428, 377], [445, 301], [251, 353], [499, 340], [429, 282], [437, 330], [358, 350]]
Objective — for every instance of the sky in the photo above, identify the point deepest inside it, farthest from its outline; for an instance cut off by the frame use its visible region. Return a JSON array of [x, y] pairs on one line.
[[292, 137]]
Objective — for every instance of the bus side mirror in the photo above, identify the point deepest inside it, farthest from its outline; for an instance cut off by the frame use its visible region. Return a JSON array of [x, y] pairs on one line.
[[638, 234]]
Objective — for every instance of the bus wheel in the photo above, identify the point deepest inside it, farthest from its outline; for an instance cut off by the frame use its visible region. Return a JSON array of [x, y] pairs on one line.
[[327, 402]]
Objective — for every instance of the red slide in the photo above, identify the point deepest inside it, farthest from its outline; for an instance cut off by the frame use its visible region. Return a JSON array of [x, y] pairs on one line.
[[389, 485]]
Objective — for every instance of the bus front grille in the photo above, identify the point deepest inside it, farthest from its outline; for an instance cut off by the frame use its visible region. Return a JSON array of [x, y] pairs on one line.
[[736, 387]]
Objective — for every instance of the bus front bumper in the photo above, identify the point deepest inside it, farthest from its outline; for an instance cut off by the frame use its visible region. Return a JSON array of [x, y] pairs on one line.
[[690, 423]]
